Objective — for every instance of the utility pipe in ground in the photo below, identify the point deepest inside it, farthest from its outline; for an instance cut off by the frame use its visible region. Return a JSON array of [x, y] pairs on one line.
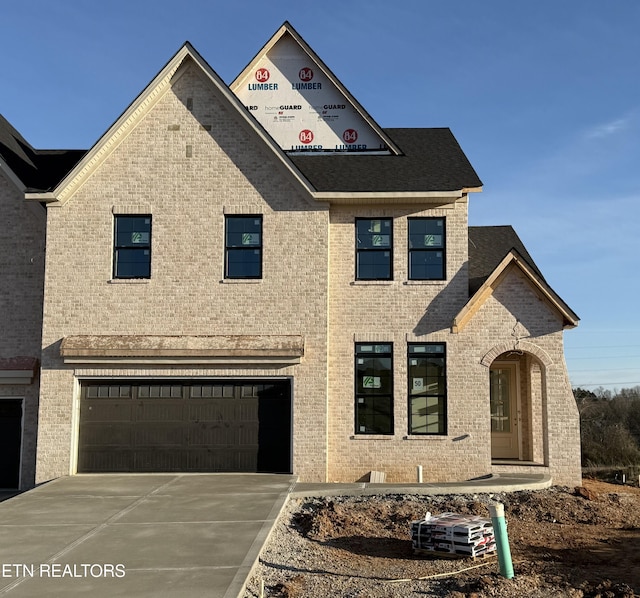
[[502, 540]]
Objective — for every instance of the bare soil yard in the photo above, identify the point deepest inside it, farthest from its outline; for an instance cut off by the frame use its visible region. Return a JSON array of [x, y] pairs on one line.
[[564, 542]]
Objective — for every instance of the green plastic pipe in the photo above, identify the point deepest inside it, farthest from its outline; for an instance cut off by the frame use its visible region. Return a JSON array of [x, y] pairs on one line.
[[502, 540]]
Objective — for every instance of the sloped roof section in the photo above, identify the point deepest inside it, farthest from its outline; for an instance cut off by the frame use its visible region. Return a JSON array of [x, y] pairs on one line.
[[36, 169], [431, 160], [488, 246]]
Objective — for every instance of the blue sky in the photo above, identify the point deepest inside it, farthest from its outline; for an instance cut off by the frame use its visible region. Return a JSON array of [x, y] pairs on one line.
[[544, 98]]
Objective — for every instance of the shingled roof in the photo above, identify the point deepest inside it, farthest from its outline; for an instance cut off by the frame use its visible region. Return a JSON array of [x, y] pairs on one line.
[[488, 246], [431, 160], [37, 169]]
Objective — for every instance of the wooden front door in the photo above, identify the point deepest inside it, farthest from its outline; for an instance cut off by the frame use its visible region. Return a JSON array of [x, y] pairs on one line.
[[504, 411]]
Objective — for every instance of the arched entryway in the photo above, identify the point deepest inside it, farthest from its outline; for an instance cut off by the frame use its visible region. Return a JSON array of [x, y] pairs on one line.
[[517, 404]]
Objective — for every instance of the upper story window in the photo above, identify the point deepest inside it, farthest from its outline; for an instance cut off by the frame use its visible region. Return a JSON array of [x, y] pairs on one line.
[[427, 388], [426, 249], [243, 247], [374, 388], [132, 247], [374, 249]]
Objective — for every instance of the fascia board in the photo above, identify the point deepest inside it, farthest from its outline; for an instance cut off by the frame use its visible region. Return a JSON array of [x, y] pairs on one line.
[[389, 196], [552, 297]]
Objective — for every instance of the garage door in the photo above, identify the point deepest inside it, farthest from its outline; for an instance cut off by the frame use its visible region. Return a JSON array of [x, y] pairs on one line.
[[199, 426]]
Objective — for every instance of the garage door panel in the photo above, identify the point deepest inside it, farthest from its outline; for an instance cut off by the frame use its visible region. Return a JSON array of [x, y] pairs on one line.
[[160, 435], [186, 426], [107, 411], [214, 435], [155, 459], [102, 435], [158, 410], [106, 461]]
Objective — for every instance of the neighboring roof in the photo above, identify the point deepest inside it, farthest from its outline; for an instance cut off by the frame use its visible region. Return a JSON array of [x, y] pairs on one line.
[[38, 169], [431, 160], [487, 270], [488, 245]]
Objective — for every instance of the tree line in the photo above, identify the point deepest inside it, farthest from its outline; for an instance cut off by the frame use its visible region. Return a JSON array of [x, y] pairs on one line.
[[609, 426]]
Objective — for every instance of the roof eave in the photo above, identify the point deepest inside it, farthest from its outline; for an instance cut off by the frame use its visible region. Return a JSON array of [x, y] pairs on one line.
[[430, 197]]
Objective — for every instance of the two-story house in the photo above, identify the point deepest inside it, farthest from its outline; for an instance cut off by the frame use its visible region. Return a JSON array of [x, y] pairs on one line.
[[258, 277]]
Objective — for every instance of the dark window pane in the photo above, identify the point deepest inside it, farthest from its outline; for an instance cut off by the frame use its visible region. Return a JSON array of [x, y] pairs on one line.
[[374, 265], [243, 264], [374, 243], [427, 389], [374, 415], [243, 246], [132, 247], [132, 263], [374, 388], [426, 265], [373, 233], [426, 249]]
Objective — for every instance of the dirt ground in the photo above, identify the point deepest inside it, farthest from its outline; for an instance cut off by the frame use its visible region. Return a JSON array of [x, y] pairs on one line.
[[581, 542]]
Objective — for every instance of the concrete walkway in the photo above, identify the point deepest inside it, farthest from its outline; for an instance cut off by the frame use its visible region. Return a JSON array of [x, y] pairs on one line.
[[492, 484], [163, 535]]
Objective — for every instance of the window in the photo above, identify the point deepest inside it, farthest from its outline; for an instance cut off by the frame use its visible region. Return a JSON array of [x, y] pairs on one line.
[[427, 389], [132, 247], [243, 247], [374, 249], [426, 249], [374, 388]]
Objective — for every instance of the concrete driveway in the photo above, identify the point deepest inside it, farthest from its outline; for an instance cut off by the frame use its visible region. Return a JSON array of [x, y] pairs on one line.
[[160, 535]]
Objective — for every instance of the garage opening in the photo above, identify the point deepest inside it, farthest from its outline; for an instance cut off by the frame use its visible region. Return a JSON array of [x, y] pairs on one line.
[[185, 426], [10, 442]]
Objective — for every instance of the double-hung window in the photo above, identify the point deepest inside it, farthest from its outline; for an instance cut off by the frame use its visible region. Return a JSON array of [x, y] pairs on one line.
[[132, 246], [427, 388], [374, 249], [374, 388], [243, 247], [426, 249]]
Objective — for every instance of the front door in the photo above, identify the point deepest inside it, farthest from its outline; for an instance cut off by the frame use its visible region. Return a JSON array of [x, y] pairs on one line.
[[10, 442], [504, 411]]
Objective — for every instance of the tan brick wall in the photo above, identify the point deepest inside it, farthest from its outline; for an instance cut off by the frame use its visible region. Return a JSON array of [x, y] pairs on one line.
[[22, 275], [229, 171], [190, 168], [400, 313]]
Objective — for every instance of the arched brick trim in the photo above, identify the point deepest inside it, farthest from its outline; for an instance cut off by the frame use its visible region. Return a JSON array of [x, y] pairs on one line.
[[523, 346]]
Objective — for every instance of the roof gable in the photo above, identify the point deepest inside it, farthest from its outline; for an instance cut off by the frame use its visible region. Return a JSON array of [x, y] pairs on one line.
[[302, 104], [145, 101], [513, 259]]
